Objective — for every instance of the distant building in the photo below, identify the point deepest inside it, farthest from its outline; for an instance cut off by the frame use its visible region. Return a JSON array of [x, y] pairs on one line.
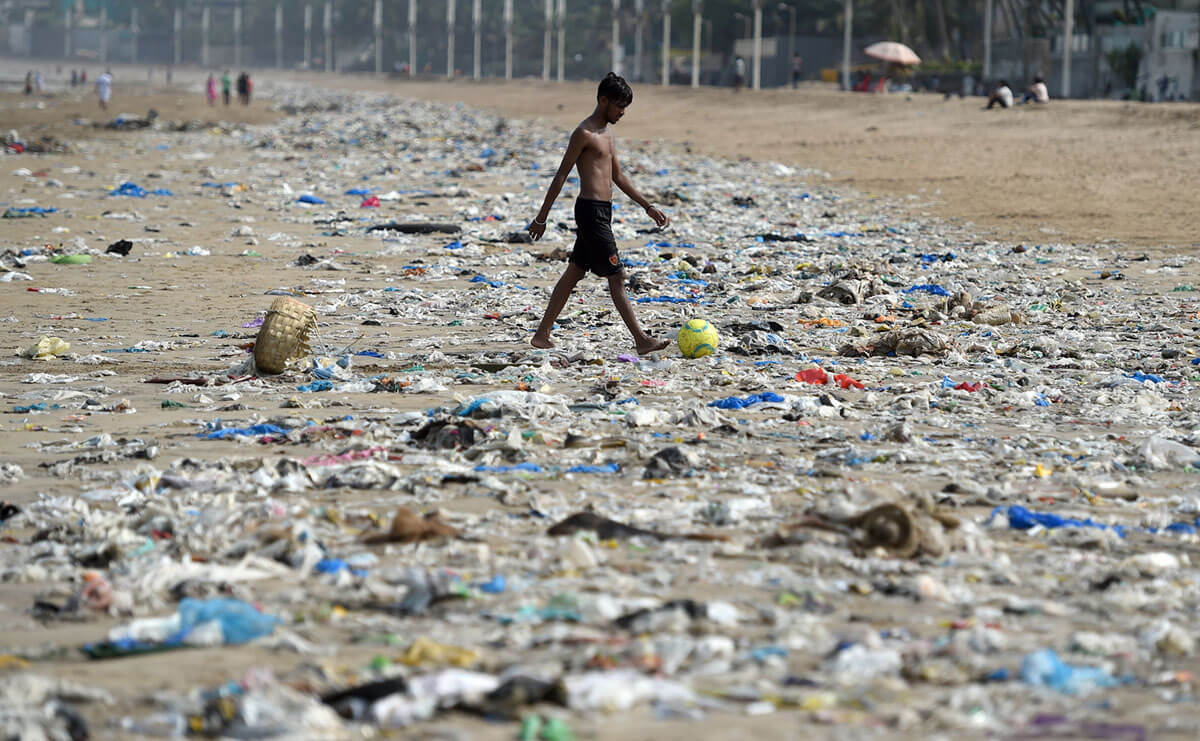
[[1169, 39]]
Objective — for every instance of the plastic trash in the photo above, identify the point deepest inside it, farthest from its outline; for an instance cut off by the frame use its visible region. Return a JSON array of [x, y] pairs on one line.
[[46, 348], [1045, 669], [920, 444]]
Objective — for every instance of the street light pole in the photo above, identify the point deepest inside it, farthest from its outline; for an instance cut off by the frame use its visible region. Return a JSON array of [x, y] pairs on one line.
[[328, 26], [412, 38], [308, 36], [640, 9], [205, 23], [697, 9], [237, 35], [846, 40], [450, 11], [792, 33], [666, 43], [377, 22], [757, 44], [547, 46], [508, 23], [616, 33], [562, 39], [104, 32], [987, 41], [1068, 34], [176, 43], [279, 35], [477, 22]]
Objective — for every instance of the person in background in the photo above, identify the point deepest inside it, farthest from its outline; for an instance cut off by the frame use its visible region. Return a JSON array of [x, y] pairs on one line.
[[226, 86], [797, 70], [39, 82], [249, 88], [739, 74], [29, 82], [74, 78], [1037, 92], [104, 89], [1001, 96], [210, 89]]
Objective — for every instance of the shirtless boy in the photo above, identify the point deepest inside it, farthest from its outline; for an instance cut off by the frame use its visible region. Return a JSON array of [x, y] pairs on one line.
[[592, 150]]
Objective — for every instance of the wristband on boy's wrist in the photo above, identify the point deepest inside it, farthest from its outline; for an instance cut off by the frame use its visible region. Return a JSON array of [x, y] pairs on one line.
[[539, 223]]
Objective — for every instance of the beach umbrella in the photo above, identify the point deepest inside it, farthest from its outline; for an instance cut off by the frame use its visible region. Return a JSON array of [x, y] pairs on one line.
[[892, 51]]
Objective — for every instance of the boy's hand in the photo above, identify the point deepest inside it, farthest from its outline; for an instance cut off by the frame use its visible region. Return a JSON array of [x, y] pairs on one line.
[[536, 230], [659, 217]]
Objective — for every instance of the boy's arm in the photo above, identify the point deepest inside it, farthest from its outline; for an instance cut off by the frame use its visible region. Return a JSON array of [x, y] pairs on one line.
[[575, 148], [627, 188]]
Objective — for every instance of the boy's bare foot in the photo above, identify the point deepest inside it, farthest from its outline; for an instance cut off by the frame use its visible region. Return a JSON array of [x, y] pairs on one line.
[[541, 343], [651, 346]]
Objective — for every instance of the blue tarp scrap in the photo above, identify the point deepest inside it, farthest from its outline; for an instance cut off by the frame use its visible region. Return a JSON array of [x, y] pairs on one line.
[[252, 430], [735, 402], [133, 190], [1020, 518], [29, 211], [930, 288], [1139, 376], [606, 468], [932, 257], [666, 300], [517, 468], [316, 386]]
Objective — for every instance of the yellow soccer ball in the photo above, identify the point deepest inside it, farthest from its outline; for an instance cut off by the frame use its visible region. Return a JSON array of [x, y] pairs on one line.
[[697, 338]]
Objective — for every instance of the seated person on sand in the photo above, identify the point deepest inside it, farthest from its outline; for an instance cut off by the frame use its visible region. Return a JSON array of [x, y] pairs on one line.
[[1001, 96], [1037, 92]]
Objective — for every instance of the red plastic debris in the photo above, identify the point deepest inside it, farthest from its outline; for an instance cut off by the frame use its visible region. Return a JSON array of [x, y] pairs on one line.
[[819, 377], [813, 375]]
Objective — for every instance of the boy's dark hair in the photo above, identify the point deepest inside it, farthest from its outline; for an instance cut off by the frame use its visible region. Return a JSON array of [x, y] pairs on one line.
[[614, 87]]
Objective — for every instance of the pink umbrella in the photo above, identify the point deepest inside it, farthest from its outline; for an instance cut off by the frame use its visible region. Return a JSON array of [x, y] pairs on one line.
[[892, 51]]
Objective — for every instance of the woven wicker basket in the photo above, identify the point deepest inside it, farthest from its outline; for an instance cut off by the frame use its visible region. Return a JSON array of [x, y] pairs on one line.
[[284, 335]]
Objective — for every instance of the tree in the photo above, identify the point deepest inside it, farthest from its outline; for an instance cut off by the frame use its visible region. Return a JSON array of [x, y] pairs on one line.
[[1125, 64]]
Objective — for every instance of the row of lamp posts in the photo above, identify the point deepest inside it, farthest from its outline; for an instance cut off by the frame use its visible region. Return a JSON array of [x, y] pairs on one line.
[[555, 34]]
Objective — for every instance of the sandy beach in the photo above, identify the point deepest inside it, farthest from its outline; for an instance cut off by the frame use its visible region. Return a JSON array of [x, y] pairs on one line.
[[1047, 210]]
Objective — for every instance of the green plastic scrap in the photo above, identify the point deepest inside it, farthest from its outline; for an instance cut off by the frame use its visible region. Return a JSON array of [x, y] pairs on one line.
[[556, 729], [531, 726]]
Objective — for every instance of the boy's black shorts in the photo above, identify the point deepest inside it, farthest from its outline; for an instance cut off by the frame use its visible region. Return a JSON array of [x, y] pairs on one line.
[[595, 248]]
